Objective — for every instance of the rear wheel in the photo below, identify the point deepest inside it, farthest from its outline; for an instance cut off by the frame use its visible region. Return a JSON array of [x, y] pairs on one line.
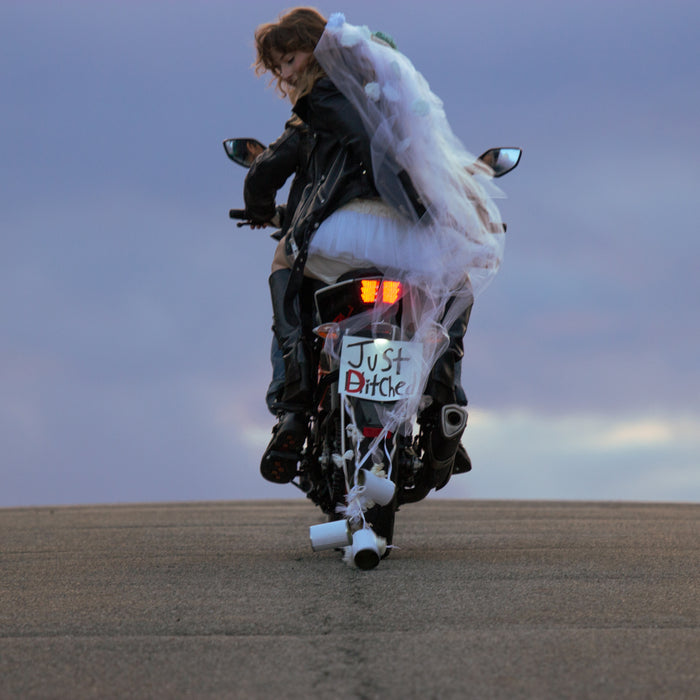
[[381, 518]]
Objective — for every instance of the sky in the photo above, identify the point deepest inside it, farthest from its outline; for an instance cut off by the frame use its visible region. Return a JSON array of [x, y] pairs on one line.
[[135, 317]]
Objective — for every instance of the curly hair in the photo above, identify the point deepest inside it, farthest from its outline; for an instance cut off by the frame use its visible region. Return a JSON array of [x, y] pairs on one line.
[[296, 30]]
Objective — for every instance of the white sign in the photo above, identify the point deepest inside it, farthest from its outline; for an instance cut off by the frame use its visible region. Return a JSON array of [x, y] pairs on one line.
[[379, 369]]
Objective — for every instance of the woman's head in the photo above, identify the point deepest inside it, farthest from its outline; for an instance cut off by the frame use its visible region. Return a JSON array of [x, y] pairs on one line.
[[285, 48]]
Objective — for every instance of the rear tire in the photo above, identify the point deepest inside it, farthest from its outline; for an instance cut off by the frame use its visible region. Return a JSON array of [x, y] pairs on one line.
[[381, 518]]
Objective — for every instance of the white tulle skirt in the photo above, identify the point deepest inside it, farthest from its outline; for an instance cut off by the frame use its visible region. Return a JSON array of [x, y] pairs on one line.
[[432, 260], [447, 256], [369, 233]]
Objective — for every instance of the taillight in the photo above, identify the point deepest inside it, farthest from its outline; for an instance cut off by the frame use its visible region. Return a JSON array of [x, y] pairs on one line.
[[368, 291], [387, 292], [391, 291]]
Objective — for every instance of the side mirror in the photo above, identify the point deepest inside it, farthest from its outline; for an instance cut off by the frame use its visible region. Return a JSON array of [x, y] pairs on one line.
[[243, 151], [501, 160]]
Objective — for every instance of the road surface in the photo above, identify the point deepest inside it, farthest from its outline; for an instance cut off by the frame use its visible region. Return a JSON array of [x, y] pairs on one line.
[[481, 599]]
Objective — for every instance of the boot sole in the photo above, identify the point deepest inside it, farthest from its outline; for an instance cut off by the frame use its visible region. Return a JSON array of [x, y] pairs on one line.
[[279, 463], [279, 467]]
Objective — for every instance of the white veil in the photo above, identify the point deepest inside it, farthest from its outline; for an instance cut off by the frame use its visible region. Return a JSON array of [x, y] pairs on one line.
[[410, 134]]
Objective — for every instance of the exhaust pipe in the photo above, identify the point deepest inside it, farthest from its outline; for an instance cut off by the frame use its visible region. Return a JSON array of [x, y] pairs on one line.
[[453, 421], [442, 444]]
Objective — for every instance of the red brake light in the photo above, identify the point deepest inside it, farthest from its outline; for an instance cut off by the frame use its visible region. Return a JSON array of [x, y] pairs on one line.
[[368, 291], [390, 291]]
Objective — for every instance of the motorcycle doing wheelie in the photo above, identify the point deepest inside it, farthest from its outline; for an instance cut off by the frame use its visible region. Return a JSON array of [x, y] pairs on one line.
[[362, 460]]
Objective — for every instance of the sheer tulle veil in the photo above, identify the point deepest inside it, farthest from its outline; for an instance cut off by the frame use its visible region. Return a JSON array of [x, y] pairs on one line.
[[450, 253]]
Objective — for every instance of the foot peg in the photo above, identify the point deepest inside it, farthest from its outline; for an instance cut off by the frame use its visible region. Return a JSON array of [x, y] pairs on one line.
[[463, 463]]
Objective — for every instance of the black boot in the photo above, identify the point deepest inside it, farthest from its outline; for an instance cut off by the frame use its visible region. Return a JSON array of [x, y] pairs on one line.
[[442, 385], [279, 463], [444, 421], [288, 329]]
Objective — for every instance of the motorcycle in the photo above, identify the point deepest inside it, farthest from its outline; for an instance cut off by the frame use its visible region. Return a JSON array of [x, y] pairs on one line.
[[361, 462]]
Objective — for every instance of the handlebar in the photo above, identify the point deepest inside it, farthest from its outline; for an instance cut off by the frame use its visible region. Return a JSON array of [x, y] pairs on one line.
[[247, 221], [240, 214]]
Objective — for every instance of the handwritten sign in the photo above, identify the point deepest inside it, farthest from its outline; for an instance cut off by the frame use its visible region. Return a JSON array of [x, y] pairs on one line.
[[380, 370]]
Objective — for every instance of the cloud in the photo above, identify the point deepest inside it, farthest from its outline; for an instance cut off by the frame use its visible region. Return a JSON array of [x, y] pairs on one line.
[[135, 318], [636, 435], [527, 454]]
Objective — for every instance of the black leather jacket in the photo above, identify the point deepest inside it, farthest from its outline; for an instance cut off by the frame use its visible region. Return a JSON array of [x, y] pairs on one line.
[[288, 155], [330, 156]]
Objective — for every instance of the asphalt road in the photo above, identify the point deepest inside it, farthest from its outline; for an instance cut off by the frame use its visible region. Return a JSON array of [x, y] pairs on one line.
[[482, 599]]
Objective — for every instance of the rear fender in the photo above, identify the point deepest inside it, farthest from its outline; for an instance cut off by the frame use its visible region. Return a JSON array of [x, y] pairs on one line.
[[369, 414]]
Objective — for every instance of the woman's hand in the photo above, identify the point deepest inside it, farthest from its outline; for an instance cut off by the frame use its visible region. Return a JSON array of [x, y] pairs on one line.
[[274, 221]]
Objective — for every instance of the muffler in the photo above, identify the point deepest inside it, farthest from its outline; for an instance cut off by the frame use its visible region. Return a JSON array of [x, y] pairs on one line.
[[443, 442], [453, 421]]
